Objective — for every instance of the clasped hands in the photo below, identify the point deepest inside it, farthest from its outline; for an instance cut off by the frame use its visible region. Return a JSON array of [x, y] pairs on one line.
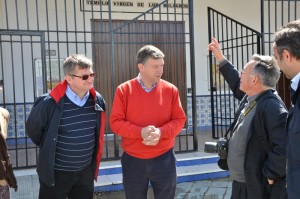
[[150, 135]]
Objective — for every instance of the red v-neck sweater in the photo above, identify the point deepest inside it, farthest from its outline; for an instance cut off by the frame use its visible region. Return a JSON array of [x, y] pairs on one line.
[[134, 108]]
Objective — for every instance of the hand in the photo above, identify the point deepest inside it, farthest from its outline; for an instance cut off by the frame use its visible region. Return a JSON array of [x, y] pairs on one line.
[[270, 182], [215, 48], [153, 137], [146, 131], [223, 154]]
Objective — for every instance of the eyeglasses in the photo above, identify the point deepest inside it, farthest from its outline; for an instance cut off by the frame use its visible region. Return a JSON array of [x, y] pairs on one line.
[[84, 77]]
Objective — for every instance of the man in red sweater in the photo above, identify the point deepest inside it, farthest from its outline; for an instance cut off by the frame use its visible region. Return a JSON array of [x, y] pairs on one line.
[[148, 115]]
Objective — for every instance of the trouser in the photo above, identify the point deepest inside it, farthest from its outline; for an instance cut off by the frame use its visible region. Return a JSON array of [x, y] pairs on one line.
[[71, 185], [159, 171], [4, 192], [239, 190]]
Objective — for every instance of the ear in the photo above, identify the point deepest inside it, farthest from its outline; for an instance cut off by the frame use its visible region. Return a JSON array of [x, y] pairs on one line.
[[140, 66], [256, 79], [68, 78], [286, 55]]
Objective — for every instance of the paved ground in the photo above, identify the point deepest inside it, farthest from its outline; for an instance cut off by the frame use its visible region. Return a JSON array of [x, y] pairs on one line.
[[204, 189]]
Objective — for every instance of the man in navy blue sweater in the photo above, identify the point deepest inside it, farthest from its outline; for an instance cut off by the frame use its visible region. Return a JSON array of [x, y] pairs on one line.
[[68, 126]]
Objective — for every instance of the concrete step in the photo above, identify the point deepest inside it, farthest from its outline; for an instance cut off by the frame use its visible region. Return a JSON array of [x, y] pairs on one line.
[[190, 167]]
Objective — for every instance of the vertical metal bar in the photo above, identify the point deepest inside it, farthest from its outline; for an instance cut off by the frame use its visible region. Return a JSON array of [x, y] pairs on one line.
[[6, 14], [258, 43], [282, 11], [112, 60], [218, 92], [209, 13], [276, 24], [262, 25], [232, 58], [58, 41], [295, 11], [17, 14], [34, 92], [2, 64], [24, 91], [228, 91], [193, 72], [37, 14], [269, 26], [84, 31], [75, 25], [247, 46], [14, 95], [222, 93], [27, 17], [49, 61], [289, 10], [66, 30], [43, 56]]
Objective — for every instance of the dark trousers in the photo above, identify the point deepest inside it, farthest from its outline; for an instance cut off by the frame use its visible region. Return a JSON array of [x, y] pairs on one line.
[[159, 171], [239, 190], [71, 185]]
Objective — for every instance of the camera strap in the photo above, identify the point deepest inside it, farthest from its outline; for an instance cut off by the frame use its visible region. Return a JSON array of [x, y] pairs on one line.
[[239, 116]]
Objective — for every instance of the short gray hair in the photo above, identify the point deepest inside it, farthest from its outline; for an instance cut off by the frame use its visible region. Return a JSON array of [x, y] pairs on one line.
[[74, 60], [148, 51], [267, 69]]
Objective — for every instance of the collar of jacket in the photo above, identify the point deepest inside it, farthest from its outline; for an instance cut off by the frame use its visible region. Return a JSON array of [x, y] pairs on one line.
[[266, 93], [60, 90]]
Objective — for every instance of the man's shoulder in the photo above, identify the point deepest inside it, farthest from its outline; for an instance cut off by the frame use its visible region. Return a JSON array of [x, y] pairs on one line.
[[271, 101], [44, 100], [167, 84], [128, 83]]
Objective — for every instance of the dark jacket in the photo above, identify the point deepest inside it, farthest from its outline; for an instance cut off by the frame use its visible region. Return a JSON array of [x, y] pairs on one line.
[[265, 156], [293, 149], [42, 127]]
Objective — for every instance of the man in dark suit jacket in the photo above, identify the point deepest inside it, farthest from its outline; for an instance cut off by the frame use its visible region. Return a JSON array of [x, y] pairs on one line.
[[286, 48]]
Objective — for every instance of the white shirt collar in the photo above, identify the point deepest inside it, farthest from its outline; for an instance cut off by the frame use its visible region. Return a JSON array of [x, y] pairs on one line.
[[75, 98], [295, 82]]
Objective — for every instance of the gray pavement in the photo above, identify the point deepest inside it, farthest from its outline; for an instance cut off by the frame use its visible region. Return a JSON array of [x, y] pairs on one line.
[[203, 189]]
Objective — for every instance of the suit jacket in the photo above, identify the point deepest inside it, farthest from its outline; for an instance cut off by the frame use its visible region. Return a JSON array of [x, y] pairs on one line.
[[293, 148]]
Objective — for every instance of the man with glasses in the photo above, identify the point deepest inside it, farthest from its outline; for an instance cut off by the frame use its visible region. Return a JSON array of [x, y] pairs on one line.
[[68, 126], [286, 49], [257, 146]]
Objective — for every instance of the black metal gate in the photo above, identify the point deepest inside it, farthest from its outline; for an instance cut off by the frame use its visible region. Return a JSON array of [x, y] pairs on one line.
[[36, 36], [21, 74]]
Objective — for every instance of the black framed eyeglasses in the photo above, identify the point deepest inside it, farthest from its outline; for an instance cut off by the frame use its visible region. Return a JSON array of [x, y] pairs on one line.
[[84, 77]]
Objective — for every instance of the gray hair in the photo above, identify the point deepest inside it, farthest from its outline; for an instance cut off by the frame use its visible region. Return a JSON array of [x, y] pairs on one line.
[[266, 69], [76, 60], [148, 51], [288, 38]]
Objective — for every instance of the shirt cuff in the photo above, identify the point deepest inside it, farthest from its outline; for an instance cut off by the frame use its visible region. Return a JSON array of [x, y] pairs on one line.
[[223, 62]]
